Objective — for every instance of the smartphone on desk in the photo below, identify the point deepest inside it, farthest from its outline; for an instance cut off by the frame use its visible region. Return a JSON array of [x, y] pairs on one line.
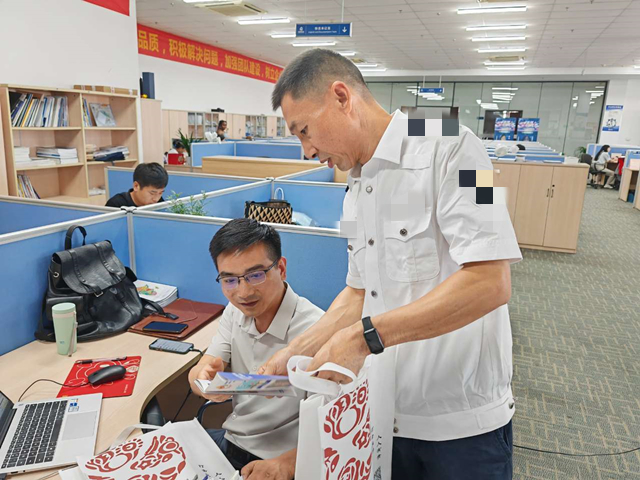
[[164, 327]]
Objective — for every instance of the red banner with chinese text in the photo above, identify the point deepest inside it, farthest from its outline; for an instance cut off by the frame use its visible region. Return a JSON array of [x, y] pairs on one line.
[[157, 43], [120, 6]]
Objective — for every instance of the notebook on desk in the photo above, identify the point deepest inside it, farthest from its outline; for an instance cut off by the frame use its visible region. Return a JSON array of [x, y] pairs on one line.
[[193, 314]]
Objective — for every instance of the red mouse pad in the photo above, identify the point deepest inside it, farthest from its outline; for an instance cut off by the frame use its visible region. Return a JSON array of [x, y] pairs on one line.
[[120, 388]]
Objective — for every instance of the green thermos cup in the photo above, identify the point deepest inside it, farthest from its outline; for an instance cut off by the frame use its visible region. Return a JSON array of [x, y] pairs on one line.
[[64, 326]]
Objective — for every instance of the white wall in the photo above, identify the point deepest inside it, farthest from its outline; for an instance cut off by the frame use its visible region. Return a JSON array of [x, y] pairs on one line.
[[626, 93], [187, 87], [60, 43]]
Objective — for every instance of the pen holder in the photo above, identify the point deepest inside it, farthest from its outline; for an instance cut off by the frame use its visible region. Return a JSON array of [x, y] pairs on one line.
[[64, 321]]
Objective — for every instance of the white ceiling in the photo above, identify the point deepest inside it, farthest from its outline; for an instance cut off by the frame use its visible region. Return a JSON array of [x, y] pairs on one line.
[[423, 35]]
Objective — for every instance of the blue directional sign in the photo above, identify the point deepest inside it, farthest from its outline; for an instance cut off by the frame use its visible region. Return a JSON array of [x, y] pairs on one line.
[[323, 30], [432, 90]]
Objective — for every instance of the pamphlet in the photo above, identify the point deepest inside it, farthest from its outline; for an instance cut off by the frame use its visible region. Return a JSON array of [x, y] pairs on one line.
[[227, 383]]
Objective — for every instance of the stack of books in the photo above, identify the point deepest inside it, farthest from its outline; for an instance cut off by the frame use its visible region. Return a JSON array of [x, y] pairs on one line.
[[23, 161], [21, 155], [46, 111], [156, 292], [63, 156], [25, 189], [109, 154], [90, 150]]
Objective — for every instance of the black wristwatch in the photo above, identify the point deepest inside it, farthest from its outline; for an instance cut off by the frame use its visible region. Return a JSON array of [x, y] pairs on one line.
[[372, 337]]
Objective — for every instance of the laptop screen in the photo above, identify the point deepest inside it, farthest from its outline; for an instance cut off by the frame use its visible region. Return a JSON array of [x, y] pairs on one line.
[[6, 415]]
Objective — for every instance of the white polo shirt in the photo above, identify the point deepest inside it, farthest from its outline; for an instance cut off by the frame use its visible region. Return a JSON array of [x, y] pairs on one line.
[[415, 227], [262, 426]]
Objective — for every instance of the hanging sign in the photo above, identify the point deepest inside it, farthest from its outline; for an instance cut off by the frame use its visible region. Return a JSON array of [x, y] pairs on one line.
[[323, 30]]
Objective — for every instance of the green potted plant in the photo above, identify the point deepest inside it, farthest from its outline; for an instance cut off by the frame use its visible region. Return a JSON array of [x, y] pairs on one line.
[[187, 141], [578, 152], [192, 207]]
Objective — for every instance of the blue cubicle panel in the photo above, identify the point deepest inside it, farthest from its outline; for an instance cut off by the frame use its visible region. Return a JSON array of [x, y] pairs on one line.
[[269, 150], [16, 215], [316, 264], [24, 259], [182, 183], [206, 149], [321, 174], [594, 148], [321, 202]]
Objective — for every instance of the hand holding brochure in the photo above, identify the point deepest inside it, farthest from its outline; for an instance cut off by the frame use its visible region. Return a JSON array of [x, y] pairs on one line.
[[227, 383]]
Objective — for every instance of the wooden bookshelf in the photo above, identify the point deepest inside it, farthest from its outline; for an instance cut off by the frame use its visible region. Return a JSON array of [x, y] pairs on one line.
[[69, 183]]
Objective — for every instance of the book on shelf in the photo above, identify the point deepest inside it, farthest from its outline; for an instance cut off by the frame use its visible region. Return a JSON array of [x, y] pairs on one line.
[[25, 188], [63, 156], [93, 192], [21, 155], [46, 111], [102, 115], [86, 115], [110, 154]]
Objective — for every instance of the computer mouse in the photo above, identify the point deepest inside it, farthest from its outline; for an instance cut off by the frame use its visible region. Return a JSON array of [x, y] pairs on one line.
[[107, 374]]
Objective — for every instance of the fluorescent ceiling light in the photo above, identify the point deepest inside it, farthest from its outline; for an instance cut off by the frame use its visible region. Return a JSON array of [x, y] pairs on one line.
[[600, 86], [519, 62], [575, 105], [489, 106], [515, 89], [502, 97], [262, 21], [478, 101], [505, 9], [314, 44], [575, 98], [501, 101], [506, 68], [595, 91], [480, 28], [592, 103], [347, 54], [366, 65], [506, 38], [283, 35], [374, 70], [503, 50]]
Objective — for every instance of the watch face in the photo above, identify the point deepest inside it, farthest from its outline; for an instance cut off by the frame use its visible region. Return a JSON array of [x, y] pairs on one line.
[[374, 342]]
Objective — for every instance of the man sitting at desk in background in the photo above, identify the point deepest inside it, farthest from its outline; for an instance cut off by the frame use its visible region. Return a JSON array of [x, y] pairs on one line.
[[178, 148], [149, 182], [222, 127], [263, 315]]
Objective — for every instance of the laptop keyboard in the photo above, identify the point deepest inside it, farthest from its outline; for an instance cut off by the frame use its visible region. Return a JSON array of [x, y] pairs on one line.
[[36, 437]]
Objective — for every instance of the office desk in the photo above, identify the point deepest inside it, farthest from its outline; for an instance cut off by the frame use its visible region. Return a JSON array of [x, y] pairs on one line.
[[19, 368], [628, 182]]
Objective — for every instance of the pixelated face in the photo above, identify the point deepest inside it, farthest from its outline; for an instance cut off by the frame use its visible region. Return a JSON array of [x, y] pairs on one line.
[[252, 300], [147, 195], [327, 126]]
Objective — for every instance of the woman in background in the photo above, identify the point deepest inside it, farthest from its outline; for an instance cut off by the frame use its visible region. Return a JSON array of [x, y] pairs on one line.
[[602, 157]]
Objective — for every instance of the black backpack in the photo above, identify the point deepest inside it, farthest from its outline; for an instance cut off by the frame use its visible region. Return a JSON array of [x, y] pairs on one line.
[[95, 280]]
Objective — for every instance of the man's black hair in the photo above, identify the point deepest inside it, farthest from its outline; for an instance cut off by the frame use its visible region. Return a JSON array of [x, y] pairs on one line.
[[178, 144], [151, 175], [311, 72], [241, 233]]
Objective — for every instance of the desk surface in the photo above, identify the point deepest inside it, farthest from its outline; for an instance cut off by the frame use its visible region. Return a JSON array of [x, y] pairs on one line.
[[19, 368]]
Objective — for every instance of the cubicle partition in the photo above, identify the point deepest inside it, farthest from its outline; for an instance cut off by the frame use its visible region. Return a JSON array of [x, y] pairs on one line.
[[318, 200], [18, 214], [594, 148], [322, 174], [288, 151], [183, 183], [24, 261], [206, 149], [316, 257]]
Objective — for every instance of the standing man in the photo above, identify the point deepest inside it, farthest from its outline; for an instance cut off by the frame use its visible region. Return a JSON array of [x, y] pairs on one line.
[[429, 275]]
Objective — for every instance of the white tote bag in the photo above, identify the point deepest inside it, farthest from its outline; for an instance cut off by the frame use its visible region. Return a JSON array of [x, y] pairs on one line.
[[346, 431]]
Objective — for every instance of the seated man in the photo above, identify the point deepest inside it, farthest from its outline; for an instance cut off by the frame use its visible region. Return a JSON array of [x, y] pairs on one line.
[[222, 128], [149, 182], [263, 315]]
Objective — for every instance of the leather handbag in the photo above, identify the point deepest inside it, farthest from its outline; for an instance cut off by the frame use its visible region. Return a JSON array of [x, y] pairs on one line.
[[95, 280], [273, 211]]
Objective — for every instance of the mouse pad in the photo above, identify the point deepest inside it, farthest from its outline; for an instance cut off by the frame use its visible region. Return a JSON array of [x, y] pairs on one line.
[[119, 388]]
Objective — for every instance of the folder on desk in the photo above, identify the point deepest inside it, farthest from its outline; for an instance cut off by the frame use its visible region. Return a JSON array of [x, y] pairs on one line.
[[193, 314]]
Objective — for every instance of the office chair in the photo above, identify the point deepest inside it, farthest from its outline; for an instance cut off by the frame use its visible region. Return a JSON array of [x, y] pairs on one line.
[[593, 173], [204, 407]]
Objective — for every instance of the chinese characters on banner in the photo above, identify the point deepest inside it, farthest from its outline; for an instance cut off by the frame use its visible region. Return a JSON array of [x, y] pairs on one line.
[[157, 43], [120, 6]]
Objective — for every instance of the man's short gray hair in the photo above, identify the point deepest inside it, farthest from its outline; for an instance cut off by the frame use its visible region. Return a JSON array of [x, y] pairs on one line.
[[310, 70]]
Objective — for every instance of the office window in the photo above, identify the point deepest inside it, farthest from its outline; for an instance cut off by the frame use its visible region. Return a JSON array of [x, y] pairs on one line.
[[469, 112], [555, 103], [382, 93], [526, 98], [402, 95], [584, 115]]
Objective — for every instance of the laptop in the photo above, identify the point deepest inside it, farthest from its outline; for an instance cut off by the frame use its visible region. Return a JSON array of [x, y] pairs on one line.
[[48, 433]]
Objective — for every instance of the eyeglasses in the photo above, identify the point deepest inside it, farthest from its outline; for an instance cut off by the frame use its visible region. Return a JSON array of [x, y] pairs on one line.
[[253, 278]]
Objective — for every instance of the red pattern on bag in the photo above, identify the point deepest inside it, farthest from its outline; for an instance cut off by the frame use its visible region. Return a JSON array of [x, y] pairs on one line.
[[112, 460], [356, 401], [331, 459], [356, 470]]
